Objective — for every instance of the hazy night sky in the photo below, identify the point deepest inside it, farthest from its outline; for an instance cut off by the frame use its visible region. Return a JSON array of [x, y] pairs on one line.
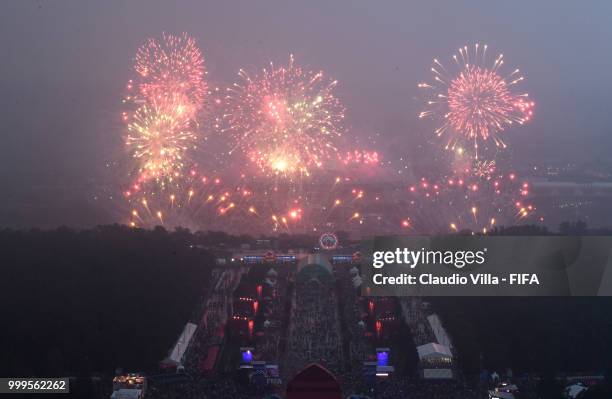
[[64, 65]]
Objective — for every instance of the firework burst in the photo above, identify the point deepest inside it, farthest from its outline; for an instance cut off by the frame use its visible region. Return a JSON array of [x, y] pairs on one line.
[[159, 138], [169, 68], [285, 120], [474, 100]]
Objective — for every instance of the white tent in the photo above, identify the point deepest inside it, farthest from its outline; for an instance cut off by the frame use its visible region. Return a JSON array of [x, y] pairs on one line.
[[433, 351], [182, 343], [439, 331], [127, 394], [574, 390], [501, 395]]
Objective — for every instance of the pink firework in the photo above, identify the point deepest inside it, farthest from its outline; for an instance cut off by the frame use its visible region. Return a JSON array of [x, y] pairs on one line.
[[286, 120], [476, 102], [171, 67]]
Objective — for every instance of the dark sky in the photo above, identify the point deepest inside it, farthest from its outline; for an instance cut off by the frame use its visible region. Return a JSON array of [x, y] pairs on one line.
[[64, 64]]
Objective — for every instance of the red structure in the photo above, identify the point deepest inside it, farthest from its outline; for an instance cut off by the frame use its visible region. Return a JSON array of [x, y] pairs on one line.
[[378, 328], [207, 364], [314, 381]]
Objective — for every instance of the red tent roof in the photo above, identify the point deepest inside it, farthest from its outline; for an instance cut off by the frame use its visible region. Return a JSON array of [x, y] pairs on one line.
[[314, 381], [211, 358]]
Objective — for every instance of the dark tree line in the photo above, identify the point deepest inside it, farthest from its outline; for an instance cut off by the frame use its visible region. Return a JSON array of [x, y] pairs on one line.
[[73, 302], [545, 334]]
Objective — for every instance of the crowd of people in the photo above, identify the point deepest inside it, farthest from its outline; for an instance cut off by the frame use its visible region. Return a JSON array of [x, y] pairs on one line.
[[215, 313], [415, 314], [268, 344], [358, 348], [314, 332], [401, 387], [211, 387], [321, 322]]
